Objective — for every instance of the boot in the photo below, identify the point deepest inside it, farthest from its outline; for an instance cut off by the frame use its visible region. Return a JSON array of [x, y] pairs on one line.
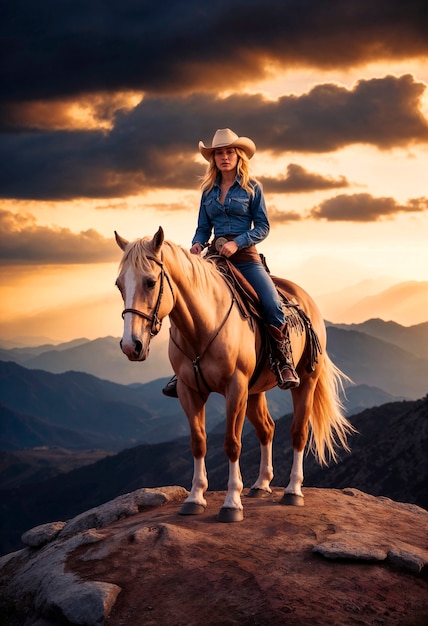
[[170, 388], [281, 360]]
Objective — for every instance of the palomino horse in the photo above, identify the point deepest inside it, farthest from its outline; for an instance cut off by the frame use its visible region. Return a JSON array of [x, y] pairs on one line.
[[213, 347]]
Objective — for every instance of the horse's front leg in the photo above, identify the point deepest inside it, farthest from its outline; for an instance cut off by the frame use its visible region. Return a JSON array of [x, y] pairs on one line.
[[236, 406], [194, 407]]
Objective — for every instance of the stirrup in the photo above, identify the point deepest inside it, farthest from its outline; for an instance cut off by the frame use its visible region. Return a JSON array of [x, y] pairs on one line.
[[286, 376], [290, 381], [170, 388]]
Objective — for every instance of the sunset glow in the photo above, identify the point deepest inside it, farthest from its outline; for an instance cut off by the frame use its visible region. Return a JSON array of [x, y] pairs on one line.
[[342, 152]]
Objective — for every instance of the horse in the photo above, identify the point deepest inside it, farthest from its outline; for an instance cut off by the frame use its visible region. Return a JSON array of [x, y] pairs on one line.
[[213, 347]]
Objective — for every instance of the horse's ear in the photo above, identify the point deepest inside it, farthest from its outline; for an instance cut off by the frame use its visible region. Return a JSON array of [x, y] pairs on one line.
[[121, 242], [158, 239]]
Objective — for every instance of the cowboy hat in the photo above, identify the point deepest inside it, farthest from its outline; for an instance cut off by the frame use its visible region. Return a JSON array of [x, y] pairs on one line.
[[223, 138]]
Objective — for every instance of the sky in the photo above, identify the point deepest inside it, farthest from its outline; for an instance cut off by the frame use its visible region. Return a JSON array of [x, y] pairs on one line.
[[102, 107]]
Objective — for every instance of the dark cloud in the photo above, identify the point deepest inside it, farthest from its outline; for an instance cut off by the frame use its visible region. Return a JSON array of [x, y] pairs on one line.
[[25, 242], [52, 48], [363, 207], [155, 144], [299, 180]]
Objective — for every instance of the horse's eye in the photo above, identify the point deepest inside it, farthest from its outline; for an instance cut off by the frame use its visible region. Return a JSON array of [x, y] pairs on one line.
[[151, 282]]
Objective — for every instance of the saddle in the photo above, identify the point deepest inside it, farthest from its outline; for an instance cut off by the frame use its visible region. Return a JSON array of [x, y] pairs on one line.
[[249, 305]]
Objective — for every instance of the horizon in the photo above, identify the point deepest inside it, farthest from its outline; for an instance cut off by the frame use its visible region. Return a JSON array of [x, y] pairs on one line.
[[342, 151]]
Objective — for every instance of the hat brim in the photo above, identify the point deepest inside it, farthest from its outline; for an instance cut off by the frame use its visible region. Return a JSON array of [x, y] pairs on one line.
[[245, 143]]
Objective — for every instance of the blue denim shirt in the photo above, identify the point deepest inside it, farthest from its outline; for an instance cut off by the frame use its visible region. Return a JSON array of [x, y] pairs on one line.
[[241, 214]]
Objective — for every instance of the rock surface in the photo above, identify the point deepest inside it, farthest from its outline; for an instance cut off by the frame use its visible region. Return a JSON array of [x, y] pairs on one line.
[[344, 558]]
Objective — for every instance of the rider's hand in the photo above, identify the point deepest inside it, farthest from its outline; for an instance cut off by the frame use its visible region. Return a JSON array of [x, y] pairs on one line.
[[229, 248], [196, 248]]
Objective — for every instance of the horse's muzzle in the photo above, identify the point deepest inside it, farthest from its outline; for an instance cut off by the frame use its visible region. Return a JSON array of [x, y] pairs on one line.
[[134, 349]]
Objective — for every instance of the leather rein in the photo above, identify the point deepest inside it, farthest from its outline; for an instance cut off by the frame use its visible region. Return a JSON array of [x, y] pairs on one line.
[[156, 323]]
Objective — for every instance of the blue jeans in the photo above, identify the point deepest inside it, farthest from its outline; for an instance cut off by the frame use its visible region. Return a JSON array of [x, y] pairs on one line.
[[258, 277]]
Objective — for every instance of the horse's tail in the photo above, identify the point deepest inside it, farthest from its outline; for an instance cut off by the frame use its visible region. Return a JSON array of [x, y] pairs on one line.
[[329, 427]]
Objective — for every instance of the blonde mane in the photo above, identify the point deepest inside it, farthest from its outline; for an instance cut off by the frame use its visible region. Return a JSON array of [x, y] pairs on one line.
[[199, 271]]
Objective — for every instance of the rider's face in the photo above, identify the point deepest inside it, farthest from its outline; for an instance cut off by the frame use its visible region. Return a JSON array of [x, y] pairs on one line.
[[226, 159]]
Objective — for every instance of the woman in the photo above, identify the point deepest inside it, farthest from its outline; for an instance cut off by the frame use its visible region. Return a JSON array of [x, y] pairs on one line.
[[233, 206]]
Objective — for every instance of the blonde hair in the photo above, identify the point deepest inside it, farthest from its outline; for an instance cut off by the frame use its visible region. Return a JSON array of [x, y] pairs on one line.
[[247, 182]]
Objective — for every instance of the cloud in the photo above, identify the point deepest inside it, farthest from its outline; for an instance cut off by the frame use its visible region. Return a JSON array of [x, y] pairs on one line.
[[155, 144], [363, 207], [53, 49], [299, 180], [276, 216], [86, 112], [25, 242]]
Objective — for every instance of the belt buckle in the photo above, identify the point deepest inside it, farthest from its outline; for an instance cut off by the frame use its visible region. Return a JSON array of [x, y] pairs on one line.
[[219, 243]]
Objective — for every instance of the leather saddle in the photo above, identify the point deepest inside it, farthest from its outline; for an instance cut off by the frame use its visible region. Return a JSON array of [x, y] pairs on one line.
[[249, 305]]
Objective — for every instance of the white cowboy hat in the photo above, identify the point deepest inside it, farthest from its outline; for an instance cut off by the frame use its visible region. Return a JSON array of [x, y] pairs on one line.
[[224, 137]]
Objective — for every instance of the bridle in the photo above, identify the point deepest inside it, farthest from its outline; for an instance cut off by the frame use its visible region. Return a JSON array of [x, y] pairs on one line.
[[156, 323]]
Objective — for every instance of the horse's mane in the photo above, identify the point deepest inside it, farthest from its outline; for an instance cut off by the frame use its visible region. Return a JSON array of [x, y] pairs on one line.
[[199, 270]]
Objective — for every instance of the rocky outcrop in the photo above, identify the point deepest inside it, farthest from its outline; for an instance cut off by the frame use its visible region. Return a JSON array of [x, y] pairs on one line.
[[344, 558]]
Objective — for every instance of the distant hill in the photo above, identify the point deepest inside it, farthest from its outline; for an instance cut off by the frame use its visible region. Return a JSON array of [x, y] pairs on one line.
[[413, 339], [359, 355], [103, 414], [372, 361], [19, 430], [405, 302], [408, 299], [388, 457], [78, 411], [101, 357]]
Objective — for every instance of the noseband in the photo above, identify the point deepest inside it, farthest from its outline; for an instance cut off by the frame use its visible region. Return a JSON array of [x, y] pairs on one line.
[[156, 323]]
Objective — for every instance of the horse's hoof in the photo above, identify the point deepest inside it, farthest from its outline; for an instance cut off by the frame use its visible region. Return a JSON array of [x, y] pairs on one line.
[[228, 515], [257, 493], [191, 508], [292, 499]]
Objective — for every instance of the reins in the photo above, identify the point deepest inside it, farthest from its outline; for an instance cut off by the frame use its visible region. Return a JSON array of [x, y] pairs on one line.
[[156, 323], [196, 361]]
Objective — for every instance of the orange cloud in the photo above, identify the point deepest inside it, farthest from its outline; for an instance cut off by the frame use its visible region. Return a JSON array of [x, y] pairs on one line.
[[363, 207], [23, 241]]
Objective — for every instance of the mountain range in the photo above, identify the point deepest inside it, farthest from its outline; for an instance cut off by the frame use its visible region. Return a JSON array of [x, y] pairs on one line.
[[353, 347], [61, 427], [388, 457]]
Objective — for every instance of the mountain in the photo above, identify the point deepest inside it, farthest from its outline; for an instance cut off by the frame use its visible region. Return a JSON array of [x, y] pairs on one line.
[[103, 414], [78, 411], [409, 300], [368, 360], [411, 339], [19, 430], [103, 358], [406, 303], [388, 457]]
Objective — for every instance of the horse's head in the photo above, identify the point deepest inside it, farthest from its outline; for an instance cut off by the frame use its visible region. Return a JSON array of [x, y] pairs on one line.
[[141, 282]]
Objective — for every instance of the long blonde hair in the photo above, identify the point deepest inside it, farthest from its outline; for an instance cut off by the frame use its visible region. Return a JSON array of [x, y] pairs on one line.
[[247, 182]]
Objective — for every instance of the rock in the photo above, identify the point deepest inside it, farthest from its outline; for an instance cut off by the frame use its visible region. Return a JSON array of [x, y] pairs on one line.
[[38, 536], [344, 558]]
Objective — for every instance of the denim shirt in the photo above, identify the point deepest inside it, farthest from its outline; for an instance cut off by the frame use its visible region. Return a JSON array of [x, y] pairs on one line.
[[242, 215]]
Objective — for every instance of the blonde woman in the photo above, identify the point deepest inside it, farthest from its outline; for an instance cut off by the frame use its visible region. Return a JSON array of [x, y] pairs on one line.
[[234, 209]]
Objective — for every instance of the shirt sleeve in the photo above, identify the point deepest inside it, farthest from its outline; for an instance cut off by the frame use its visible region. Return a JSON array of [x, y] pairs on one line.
[[260, 219], [204, 227]]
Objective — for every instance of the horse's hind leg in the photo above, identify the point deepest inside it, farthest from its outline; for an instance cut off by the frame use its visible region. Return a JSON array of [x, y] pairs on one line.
[[259, 416], [302, 402]]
